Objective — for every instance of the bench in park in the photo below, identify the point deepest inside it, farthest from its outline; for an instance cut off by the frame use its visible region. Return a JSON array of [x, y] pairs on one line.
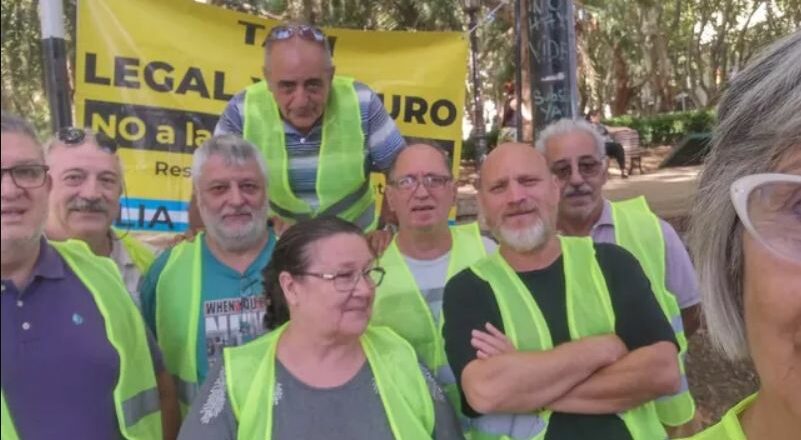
[[630, 140]]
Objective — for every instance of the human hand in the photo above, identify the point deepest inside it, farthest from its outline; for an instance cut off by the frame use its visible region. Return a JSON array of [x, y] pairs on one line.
[[379, 240], [491, 342]]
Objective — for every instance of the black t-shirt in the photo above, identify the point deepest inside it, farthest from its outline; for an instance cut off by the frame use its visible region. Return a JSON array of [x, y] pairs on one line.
[[469, 303]]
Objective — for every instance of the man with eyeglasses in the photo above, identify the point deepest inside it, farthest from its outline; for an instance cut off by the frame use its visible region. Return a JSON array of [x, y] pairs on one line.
[[77, 360], [85, 201], [576, 156], [321, 134], [206, 294], [553, 337], [424, 254]]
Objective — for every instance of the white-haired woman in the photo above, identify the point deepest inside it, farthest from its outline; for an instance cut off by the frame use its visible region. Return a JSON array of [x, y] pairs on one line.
[[746, 239]]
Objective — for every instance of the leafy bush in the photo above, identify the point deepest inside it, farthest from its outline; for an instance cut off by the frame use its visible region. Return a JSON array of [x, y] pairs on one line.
[[666, 128]]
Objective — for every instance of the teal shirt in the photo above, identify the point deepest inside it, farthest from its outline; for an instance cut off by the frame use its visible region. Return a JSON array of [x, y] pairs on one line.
[[232, 304]]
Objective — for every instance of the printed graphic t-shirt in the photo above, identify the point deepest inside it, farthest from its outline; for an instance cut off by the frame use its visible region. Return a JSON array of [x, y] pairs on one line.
[[232, 305]]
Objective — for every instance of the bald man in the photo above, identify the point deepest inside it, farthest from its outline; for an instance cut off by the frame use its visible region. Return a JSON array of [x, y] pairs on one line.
[[553, 337]]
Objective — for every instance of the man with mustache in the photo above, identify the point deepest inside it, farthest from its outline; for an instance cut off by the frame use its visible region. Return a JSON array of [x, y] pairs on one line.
[[205, 294], [553, 338], [575, 154], [77, 360], [85, 201], [424, 253], [286, 117]]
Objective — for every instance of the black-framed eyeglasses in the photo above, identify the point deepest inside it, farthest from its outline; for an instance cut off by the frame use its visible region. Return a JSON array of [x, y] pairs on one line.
[[586, 167], [73, 136], [345, 282], [285, 32], [411, 182], [27, 176]]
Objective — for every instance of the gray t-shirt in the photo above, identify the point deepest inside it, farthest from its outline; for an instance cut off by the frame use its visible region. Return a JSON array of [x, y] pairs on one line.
[[351, 411], [431, 276]]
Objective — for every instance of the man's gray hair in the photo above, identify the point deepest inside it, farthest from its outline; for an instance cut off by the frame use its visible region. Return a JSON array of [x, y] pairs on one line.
[[566, 126], [759, 123], [232, 148], [12, 123]]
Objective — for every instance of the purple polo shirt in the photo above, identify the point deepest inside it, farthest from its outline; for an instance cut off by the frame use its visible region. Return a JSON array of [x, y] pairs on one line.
[[680, 276], [58, 368]]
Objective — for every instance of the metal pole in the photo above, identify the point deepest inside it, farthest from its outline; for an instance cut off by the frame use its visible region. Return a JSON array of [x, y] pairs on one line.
[[478, 105], [518, 73], [54, 52]]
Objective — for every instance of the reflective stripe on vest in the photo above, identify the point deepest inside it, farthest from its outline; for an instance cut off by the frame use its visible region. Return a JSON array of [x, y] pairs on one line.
[[728, 428], [178, 292], [638, 230], [400, 305], [135, 395], [342, 185], [250, 382], [589, 312], [141, 256]]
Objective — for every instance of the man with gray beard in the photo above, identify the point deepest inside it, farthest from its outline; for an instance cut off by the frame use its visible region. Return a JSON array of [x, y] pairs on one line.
[[553, 337], [205, 294]]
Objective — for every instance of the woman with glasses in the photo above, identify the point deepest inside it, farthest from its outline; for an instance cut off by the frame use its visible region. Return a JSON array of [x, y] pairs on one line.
[[746, 239], [321, 372]]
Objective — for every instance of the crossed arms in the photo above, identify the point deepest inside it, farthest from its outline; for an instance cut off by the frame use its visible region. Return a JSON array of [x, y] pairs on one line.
[[593, 375]]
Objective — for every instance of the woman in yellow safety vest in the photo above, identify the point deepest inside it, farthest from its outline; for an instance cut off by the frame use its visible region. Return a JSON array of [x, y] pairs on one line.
[[746, 240], [322, 371]]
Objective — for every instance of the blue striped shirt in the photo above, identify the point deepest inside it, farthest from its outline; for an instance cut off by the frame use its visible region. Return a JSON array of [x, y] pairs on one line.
[[382, 140]]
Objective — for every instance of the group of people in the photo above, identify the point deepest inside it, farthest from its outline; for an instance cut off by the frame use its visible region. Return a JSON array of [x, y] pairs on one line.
[[290, 316]]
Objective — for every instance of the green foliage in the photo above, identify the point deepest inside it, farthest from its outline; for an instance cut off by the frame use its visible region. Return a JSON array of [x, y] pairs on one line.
[[666, 128]]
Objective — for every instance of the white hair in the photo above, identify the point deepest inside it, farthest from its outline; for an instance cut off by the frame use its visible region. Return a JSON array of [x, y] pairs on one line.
[[567, 126], [232, 148], [759, 123]]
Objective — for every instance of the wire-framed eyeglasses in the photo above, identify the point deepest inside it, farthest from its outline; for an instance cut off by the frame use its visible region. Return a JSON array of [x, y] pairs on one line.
[[345, 282]]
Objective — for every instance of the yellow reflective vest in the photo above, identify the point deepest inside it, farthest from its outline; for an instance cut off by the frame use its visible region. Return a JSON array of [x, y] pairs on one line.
[[589, 313], [400, 305], [343, 185], [638, 230], [250, 382], [136, 396], [728, 428]]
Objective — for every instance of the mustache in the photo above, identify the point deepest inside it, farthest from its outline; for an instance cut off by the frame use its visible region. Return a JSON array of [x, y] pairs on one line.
[[581, 190], [88, 205]]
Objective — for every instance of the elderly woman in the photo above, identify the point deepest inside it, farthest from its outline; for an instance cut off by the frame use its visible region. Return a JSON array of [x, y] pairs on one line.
[[746, 238], [321, 372]]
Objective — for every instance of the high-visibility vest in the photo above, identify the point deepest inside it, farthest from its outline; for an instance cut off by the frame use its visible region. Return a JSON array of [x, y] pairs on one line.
[[141, 256], [136, 396], [638, 230], [178, 296], [400, 305], [589, 313], [342, 186], [250, 382], [728, 428]]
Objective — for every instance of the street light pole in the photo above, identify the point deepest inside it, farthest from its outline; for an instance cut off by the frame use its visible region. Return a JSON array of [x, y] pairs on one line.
[[471, 8]]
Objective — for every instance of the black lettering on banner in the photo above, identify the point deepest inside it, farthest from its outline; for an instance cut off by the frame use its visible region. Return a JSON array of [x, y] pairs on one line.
[[161, 167], [159, 76], [91, 76], [417, 110], [250, 31], [150, 128], [150, 76], [161, 211], [450, 114], [124, 76], [193, 80]]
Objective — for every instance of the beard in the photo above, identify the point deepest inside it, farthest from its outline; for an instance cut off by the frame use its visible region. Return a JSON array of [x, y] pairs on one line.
[[527, 239], [239, 238]]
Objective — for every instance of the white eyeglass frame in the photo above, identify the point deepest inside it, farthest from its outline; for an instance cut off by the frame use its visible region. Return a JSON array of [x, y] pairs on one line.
[[740, 190]]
